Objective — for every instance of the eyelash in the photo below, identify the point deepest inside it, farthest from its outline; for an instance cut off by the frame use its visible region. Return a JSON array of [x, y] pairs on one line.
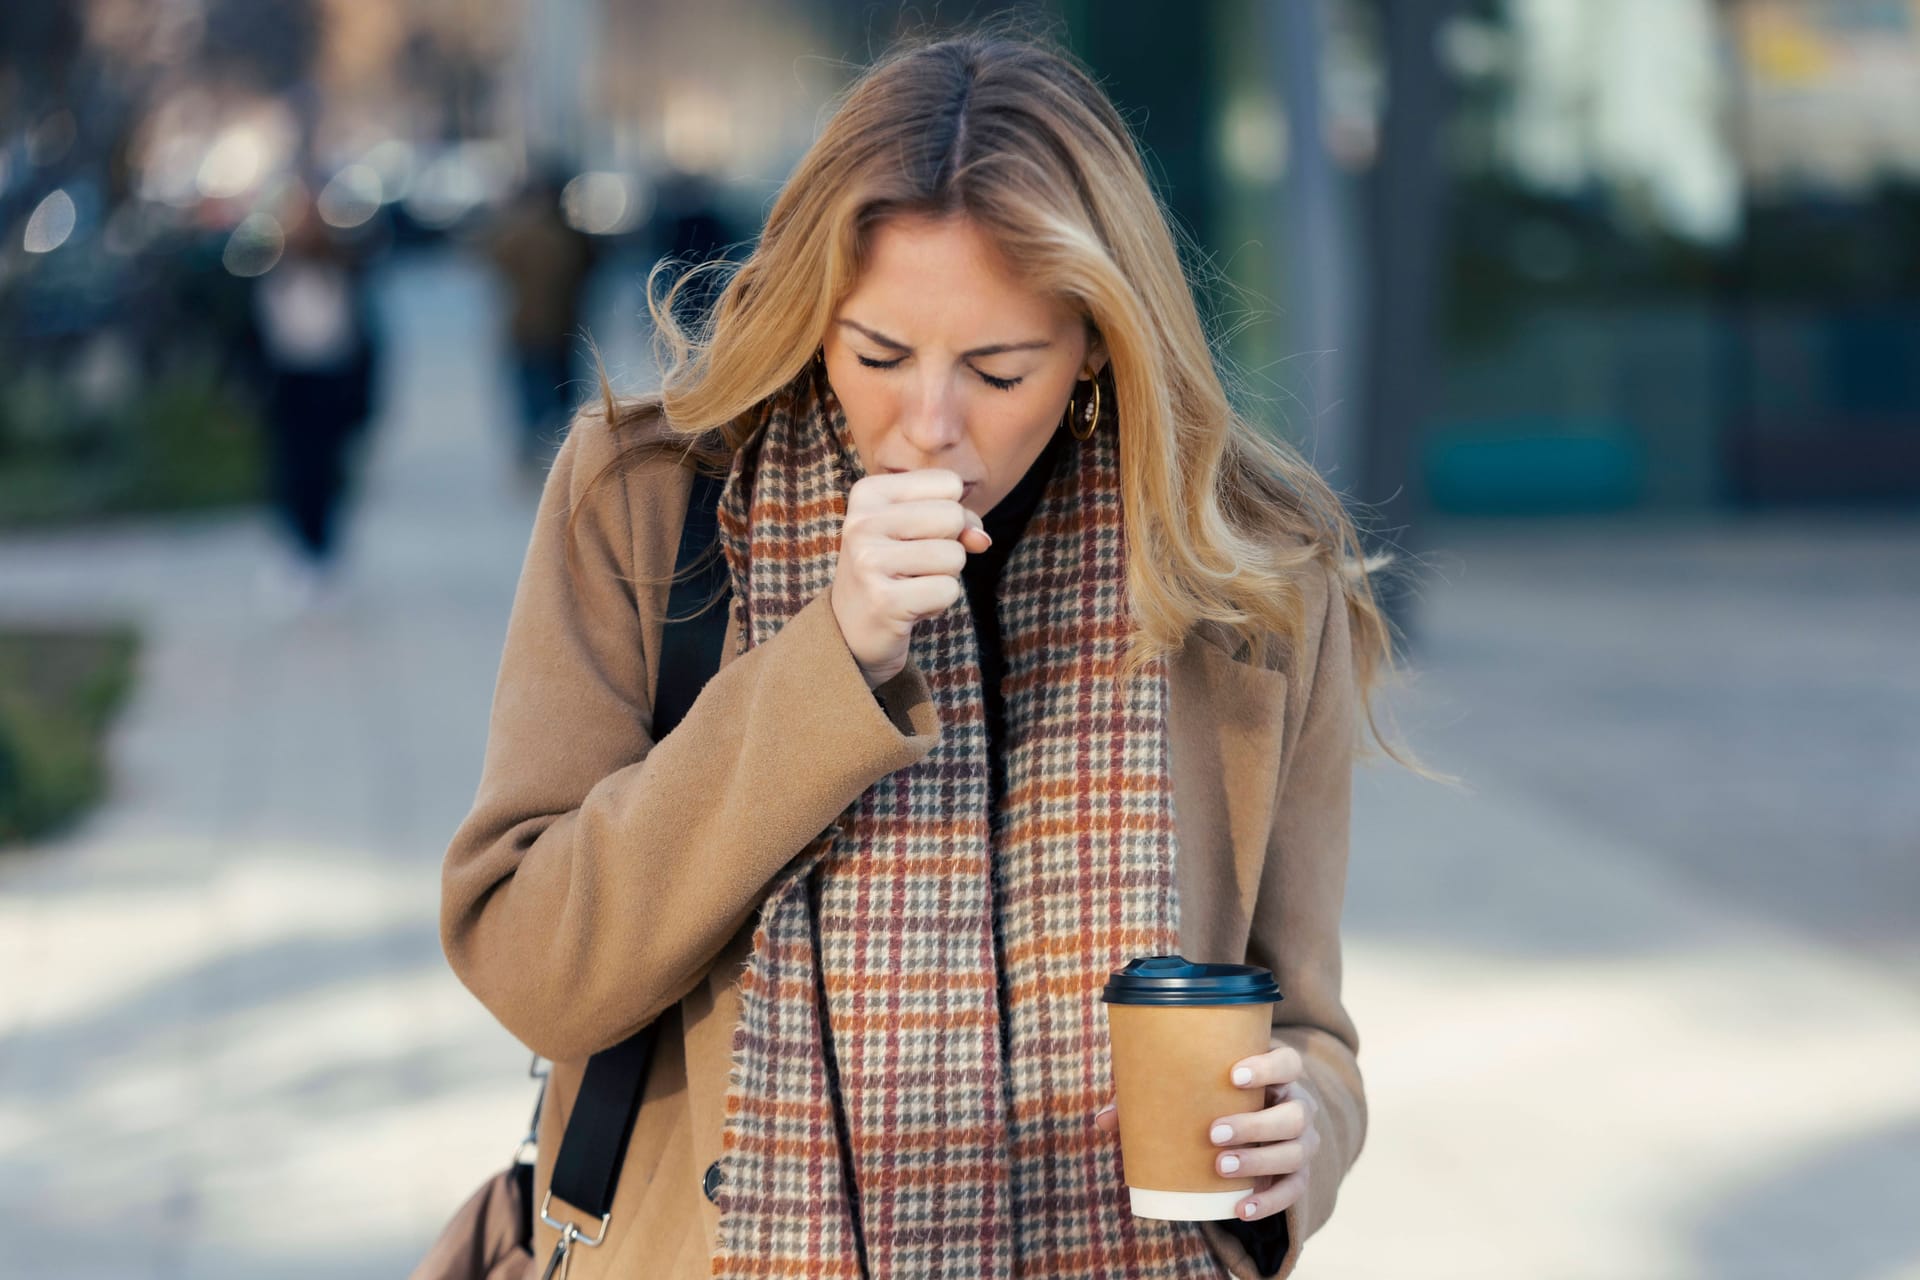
[[998, 384]]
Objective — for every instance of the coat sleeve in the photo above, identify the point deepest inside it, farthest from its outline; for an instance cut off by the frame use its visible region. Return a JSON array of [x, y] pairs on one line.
[[1296, 929], [598, 874]]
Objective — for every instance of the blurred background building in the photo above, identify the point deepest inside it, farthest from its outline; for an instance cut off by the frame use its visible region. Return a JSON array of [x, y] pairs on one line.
[[1492, 256], [1605, 314]]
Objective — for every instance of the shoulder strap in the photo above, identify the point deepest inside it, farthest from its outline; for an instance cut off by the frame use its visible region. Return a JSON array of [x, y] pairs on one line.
[[587, 1168], [690, 643]]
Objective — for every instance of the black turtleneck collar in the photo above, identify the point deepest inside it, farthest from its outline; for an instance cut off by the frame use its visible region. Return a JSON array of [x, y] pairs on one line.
[[1008, 519], [1006, 523]]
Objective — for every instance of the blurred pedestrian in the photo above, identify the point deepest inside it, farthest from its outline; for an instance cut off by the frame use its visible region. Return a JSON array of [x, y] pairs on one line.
[[545, 263], [316, 351]]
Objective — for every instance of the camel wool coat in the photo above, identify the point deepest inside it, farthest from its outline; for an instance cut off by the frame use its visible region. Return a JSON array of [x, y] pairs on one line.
[[602, 881]]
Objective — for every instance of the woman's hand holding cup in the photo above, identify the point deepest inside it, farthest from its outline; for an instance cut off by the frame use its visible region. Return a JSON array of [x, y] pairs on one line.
[[1275, 1143], [903, 544]]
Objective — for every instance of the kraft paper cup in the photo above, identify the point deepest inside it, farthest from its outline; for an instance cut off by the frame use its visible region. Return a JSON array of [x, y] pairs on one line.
[[1175, 1029]]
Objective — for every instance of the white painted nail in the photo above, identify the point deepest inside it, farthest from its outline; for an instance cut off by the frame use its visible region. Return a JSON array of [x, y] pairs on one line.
[[1222, 1133], [1243, 1075], [1249, 1209], [1229, 1164]]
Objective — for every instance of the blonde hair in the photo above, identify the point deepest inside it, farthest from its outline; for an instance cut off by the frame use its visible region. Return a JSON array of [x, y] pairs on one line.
[[1224, 522]]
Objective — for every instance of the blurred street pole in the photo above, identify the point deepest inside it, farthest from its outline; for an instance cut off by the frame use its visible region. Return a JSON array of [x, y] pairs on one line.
[[1400, 364], [1319, 277]]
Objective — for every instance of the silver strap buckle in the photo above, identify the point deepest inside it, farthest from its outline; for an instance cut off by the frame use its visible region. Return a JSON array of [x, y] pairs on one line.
[[569, 1232]]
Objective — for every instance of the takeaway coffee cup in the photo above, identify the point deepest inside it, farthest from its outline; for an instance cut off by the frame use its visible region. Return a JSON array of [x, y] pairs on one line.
[[1176, 1028]]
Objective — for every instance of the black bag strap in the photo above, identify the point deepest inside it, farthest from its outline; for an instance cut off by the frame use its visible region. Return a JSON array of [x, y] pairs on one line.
[[690, 643], [587, 1169]]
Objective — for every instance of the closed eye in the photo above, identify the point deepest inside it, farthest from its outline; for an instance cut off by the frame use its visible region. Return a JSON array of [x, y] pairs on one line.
[[999, 384]]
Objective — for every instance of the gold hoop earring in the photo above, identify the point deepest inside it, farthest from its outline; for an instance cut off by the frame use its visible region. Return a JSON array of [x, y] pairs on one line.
[[1090, 415]]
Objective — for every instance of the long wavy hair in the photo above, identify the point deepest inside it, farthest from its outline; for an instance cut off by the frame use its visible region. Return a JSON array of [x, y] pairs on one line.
[[1224, 521]]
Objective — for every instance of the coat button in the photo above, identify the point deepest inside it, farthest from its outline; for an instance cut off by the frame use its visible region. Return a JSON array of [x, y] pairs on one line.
[[711, 1183]]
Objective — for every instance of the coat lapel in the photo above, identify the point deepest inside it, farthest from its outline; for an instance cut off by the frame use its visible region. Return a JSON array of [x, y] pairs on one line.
[[1227, 722]]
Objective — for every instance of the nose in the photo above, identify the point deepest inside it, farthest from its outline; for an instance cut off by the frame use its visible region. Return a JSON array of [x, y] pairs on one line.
[[931, 419]]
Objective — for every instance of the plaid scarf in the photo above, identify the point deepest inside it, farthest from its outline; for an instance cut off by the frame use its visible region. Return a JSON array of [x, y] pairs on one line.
[[921, 1046]]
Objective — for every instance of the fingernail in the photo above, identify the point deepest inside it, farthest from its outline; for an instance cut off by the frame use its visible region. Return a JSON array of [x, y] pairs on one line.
[[1222, 1133], [1248, 1209], [1229, 1164], [1102, 1111], [1243, 1075]]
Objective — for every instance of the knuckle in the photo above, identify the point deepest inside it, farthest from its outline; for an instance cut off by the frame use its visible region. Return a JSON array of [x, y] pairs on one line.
[[1287, 1060], [1272, 1161]]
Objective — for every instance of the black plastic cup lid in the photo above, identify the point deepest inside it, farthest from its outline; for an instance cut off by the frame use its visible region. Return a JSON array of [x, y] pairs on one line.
[[1177, 980]]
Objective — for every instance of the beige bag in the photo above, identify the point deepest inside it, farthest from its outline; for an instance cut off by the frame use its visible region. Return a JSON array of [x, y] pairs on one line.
[[489, 1238]]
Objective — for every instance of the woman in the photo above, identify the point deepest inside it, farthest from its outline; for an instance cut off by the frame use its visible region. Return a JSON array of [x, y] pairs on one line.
[[1012, 587]]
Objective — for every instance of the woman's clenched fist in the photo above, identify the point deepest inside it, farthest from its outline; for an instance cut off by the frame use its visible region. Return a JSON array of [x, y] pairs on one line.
[[902, 546]]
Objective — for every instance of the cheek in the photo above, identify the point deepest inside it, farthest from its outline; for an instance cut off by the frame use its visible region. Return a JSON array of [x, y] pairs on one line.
[[1024, 422], [1011, 432], [870, 409]]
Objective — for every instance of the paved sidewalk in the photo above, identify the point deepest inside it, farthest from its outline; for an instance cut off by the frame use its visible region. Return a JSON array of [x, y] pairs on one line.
[[1646, 1003], [1580, 1066], [229, 1045]]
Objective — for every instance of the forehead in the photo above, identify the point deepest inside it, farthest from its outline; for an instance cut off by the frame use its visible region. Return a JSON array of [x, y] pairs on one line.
[[944, 275]]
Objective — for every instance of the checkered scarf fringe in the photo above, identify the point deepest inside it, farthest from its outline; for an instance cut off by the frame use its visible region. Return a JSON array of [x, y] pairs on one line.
[[921, 1045]]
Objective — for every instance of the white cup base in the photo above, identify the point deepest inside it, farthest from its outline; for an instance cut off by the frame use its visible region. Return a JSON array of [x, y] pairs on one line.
[[1186, 1206]]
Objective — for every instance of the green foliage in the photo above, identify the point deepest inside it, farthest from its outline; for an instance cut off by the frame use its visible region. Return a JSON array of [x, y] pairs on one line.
[[58, 694], [184, 441]]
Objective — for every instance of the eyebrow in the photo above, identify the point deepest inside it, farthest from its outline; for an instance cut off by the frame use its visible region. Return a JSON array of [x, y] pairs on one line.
[[998, 348]]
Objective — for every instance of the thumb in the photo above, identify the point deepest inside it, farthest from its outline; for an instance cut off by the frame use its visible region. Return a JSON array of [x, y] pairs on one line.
[[975, 536]]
